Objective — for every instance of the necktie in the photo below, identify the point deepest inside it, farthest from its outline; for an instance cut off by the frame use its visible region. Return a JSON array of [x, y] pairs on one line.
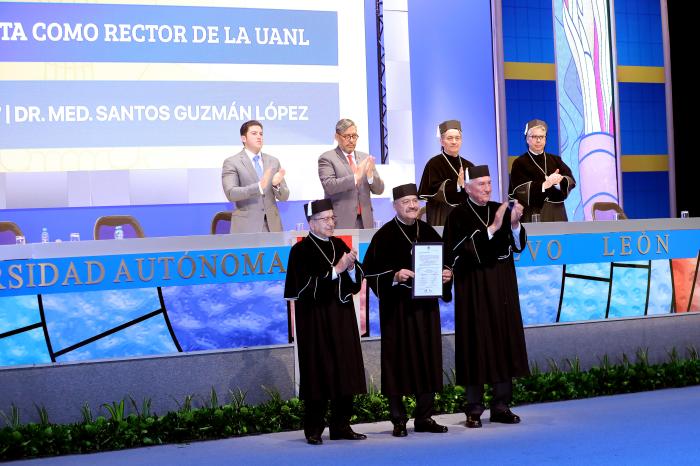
[[352, 163], [258, 167], [354, 169]]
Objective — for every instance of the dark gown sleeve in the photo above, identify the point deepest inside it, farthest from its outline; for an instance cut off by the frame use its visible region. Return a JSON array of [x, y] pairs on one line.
[[378, 271], [504, 236], [383, 259], [302, 269], [502, 243], [432, 184], [449, 233], [526, 182], [566, 185], [439, 182], [523, 239], [467, 241], [525, 185], [306, 267]]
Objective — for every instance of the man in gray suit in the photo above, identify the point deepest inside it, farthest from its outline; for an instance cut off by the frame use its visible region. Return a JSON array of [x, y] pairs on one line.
[[254, 182], [348, 177]]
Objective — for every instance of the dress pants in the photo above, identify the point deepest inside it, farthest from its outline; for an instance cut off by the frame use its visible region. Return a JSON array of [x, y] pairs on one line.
[[424, 408], [315, 413], [502, 396]]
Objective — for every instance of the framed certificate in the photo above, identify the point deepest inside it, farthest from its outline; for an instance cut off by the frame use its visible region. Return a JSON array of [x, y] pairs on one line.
[[427, 266]]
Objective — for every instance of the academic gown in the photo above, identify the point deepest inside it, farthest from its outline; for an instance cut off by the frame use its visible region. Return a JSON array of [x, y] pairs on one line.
[[411, 355], [438, 186], [489, 337], [526, 178], [328, 342]]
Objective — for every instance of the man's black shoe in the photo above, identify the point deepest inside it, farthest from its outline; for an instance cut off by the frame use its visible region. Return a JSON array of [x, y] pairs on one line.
[[346, 434], [429, 425], [400, 430], [505, 417], [473, 421], [314, 440]]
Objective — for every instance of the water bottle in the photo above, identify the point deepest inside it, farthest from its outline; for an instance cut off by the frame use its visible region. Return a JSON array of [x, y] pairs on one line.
[[118, 232], [44, 235]]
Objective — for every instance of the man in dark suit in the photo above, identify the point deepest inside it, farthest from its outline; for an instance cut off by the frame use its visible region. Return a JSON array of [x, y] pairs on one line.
[[254, 181], [348, 177]]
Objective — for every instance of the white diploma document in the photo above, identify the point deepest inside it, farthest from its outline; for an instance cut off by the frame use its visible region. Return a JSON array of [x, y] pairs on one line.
[[427, 265]]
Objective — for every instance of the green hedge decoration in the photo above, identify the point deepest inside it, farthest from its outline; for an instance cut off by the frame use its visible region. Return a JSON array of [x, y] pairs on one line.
[[214, 421]]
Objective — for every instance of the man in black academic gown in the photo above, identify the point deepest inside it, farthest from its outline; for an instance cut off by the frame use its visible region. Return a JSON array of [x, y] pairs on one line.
[[322, 276], [442, 183], [541, 182], [411, 339], [480, 238]]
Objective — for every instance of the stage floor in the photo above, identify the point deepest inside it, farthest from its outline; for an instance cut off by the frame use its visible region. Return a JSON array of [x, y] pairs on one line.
[[659, 427]]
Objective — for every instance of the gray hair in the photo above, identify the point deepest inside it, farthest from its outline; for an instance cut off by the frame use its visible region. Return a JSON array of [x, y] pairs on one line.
[[343, 124], [536, 123]]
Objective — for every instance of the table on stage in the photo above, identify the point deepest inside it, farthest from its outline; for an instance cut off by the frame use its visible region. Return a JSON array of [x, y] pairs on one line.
[[89, 300]]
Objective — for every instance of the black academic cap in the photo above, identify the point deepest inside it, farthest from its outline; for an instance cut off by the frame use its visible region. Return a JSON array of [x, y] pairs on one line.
[[533, 123], [450, 124], [315, 207], [478, 171], [409, 189]]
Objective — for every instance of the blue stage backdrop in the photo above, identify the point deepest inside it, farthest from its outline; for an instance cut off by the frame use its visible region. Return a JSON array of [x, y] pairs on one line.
[[452, 78]]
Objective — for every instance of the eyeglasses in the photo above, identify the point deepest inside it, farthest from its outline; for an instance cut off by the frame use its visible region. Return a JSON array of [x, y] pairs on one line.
[[538, 137], [327, 219], [350, 137]]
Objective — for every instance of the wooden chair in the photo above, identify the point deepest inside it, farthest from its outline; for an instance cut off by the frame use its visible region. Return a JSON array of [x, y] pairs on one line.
[[607, 206], [104, 227], [221, 223]]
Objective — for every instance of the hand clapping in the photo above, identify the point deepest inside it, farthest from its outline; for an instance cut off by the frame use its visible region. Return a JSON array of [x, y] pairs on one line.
[[360, 170], [265, 180], [498, 218], [364, 168], [279, 177], [515, 213], [347, 262], [553, 179], [370, 167]]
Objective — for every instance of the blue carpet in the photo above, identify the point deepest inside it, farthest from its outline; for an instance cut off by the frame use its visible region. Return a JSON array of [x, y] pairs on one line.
[[658, 427]]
